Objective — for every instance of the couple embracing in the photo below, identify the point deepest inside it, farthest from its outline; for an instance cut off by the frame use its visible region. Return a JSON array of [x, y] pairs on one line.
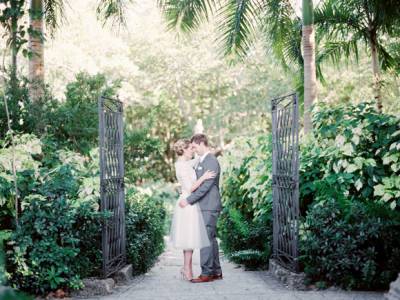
[[196, 212]]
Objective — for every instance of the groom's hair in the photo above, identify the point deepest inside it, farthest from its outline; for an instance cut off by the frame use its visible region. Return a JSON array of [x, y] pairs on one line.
[[199, 138]]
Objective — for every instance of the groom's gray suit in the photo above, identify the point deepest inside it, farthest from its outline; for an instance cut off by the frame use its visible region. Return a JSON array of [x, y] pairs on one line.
[[209, 200]]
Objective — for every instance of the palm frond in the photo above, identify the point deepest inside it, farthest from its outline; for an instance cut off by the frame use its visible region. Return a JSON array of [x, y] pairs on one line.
[[282, 29], [54, 14], [386, 58], [238, 20], [112, 11], [335, 19], [337, 50], [186, 15]]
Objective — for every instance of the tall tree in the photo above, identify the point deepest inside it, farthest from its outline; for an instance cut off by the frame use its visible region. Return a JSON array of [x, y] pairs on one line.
[[36, 47], [240, 20], [310, 77], [347, 23]]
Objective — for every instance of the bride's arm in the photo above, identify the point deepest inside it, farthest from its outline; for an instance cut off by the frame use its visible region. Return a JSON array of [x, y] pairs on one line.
[[206, 175]]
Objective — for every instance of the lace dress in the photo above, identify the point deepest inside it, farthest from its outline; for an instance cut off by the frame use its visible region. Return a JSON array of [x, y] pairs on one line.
[[187, 228]]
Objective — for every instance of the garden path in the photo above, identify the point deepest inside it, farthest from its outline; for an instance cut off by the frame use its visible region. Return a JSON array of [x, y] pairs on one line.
[[163, 282]]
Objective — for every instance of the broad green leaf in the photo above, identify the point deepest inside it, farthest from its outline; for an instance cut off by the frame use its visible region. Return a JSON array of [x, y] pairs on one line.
[[358, 184], [393, 205], [347, 149], [340, 140], [396, 133], [356, 139], [379, 190], [386, 197], [351, 168]]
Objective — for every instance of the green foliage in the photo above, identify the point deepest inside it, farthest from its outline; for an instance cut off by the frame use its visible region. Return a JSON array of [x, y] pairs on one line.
[[348, 194], [47, 245], [350, 244], [4, 237], [75, 123], [347, 24], [145, 217], [245, 226], [152, 130], [11, 294], [26, 116], [72, 123], [43, 169], [355, 151]]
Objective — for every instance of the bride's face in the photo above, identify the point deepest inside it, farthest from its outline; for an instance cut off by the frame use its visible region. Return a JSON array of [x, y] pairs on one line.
[[188, 152]]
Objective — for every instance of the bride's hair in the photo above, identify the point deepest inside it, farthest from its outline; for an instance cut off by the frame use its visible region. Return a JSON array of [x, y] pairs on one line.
[[181, 145]]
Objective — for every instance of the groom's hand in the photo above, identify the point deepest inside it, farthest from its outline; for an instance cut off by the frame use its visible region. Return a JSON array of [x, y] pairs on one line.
[[183, 203]]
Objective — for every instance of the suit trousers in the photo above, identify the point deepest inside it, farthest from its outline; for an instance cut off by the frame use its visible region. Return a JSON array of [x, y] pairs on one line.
[[209, 256]]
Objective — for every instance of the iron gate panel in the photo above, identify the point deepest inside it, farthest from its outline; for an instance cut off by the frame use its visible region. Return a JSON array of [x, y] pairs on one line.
[[112, 194], [285, 180]]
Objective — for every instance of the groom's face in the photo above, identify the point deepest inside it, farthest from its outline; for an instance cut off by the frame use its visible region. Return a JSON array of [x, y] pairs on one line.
[[199, 148]]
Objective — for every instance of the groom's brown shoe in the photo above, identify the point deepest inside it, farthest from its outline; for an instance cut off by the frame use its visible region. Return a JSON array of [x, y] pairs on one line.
[[202, 278], [217, 276]]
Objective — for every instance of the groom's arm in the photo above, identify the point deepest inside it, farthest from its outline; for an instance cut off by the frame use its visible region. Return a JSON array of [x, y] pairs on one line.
[[212, 165]]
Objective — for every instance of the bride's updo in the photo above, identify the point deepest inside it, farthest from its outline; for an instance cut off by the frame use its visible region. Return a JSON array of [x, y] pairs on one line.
[[180, 146]]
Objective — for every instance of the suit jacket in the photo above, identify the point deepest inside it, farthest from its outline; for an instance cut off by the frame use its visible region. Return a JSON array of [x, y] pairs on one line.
[[207, 194]]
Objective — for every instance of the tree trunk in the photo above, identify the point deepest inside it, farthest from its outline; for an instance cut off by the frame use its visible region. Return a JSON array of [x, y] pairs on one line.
[[14, 46], [376, 72], [310, 78], [36, 47]]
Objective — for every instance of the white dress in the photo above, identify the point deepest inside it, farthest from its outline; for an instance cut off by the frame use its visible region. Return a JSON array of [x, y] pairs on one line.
[[187, 228]]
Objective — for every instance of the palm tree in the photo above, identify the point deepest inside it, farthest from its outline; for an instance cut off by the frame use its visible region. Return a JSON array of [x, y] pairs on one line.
[[310, 77], [36, 57], [240, 20], [345, 24], [51, 12]]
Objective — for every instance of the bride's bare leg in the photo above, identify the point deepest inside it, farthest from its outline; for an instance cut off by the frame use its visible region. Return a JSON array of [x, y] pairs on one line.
[[187, 263]]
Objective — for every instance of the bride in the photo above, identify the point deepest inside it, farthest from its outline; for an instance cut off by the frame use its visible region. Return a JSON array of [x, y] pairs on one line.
[[188, 231]]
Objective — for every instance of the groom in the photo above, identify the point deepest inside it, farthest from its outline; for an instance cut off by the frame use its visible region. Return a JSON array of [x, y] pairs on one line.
[[210, 204]]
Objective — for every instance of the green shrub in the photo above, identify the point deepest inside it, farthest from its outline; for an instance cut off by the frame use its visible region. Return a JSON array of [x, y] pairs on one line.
[[350, 244], [26, 116], [47, 245], [356, 150], [44, 169], [75, 123], [245, 226], [145, 217], [4, 237], [11, 294]]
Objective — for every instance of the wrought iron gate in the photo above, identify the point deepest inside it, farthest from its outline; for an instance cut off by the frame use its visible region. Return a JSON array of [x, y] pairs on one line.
[[112, 195], [285, 180]]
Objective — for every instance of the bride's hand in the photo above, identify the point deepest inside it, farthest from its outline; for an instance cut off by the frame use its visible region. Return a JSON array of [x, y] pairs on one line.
[[208, 175]]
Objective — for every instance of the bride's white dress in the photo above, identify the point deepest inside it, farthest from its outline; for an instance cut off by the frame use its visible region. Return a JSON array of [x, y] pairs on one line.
[[187, 229]]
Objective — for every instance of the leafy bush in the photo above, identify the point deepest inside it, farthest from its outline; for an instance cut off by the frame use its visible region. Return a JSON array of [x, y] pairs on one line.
[[75, 123], [4, 237], [350, 244], [43, 169], [151, 131], [58, 189], [11, 294], [145, 217], [26, 116], [47, 244], [356, 150], [353, 158], [245, 226]]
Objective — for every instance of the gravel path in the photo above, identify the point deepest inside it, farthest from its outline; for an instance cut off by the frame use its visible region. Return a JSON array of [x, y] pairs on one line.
[[163, 282]]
